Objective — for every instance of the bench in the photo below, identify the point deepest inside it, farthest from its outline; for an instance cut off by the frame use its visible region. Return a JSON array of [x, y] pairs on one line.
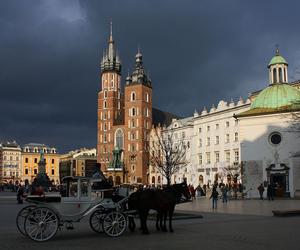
[[286, 213]]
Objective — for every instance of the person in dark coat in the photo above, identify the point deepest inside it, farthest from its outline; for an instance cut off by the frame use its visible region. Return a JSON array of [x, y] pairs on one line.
[[270, 192], [214, 197], [261, 190]]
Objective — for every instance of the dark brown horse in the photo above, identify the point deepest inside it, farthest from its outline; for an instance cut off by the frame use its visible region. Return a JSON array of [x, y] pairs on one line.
[[163, 201]]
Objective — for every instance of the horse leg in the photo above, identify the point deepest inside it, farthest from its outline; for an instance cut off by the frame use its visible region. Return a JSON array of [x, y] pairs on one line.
[[144, 215], [171, 212], [158, 216], [131, 223], [164, 227]]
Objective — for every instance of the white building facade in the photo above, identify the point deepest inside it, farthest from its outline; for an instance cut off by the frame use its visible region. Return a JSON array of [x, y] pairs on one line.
[[256, 138]]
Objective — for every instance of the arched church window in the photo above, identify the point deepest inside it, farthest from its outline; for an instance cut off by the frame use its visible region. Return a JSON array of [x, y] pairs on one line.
[[133, 113], [280, 75], [133, 96], [104, 104], [119, 138], [274, 76], [284, 75], [105, 94]]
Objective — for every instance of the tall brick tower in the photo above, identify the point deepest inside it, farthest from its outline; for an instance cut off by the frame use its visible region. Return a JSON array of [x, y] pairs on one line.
[[138, 122], [110, 104]]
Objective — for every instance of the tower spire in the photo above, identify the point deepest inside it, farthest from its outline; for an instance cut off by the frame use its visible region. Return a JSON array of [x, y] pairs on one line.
[[111, 30]]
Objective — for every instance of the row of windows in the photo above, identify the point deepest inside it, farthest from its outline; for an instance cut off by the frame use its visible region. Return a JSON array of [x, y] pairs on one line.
[[217, 157], [35, 150], [133, 96], [105, 105], [217, 126], [11, 158], [35, 171], [135, 112], [10, 174], [217, 139], [36, 160]]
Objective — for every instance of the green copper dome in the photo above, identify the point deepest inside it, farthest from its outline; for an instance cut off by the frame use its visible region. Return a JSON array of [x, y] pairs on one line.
[[277, 96], [277, 59]]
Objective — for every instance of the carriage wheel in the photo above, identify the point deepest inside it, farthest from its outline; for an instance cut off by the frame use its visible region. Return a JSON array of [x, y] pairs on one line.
[[21, 216], [114, 224], [96, 220], [41, 224]]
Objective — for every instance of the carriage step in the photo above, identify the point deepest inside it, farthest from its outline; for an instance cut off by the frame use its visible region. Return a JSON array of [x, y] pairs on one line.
[[69, 226]]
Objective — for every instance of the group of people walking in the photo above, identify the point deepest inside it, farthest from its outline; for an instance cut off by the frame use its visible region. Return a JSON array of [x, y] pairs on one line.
[[270, 191]]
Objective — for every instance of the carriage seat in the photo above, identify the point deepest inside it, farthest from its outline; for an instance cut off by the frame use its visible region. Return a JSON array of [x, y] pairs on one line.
[[43, 198]]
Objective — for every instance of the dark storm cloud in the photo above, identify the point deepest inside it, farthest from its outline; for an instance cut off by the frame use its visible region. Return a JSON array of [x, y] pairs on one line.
[[197, 52]]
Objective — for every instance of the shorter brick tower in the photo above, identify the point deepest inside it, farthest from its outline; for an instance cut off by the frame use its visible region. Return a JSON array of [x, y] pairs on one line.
[[138, 122]]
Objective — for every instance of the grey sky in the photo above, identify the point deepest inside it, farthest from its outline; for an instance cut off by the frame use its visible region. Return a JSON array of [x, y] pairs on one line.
[[197, 52]]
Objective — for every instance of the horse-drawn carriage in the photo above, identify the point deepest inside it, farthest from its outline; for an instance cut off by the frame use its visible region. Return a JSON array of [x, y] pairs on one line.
[[79, 197]]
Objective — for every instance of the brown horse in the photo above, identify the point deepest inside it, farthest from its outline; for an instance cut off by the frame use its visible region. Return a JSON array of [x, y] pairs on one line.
[[163, 201]]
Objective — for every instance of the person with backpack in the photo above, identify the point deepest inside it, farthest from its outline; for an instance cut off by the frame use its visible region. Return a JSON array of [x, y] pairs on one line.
[[214, 197]]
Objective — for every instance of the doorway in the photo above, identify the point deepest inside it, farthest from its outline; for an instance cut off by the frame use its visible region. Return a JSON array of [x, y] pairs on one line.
[[279, 183]]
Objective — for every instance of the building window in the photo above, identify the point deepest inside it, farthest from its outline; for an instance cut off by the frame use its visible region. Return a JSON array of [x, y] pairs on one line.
[[200, 143], [26, 160], [105, 94], [236, 137], [104, 104], [132, 136], [200, 159], [133, 113], [236, 155], [217, 140], [183, 134], [227, 156], [208, 157], [227, 138], [132, 96], [35, 171], [132, 123], [52, 161], [208, 141], [217, 126], [26, 171], [35, 160], [200, 130], [52, 171], [227, 124], [119, 138], [217, 156], [208, 128]]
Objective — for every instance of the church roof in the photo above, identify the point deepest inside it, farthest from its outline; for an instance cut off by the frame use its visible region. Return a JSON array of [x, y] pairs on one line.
[[162, 118], [277, 59], [276, 98]]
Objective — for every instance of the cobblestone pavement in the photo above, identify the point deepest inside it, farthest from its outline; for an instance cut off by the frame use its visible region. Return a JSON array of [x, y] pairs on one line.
[[247, 207], [221, 229]]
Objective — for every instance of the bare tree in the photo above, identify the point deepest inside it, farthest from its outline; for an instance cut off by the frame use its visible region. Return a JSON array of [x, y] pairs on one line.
[[231, 173], [167, 154]]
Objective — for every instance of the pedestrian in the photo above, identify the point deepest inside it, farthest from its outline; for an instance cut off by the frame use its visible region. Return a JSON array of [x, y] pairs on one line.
[[214, 197], [261, 190], [20, 194], [193, 192], [224, 191], [270, 192]]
